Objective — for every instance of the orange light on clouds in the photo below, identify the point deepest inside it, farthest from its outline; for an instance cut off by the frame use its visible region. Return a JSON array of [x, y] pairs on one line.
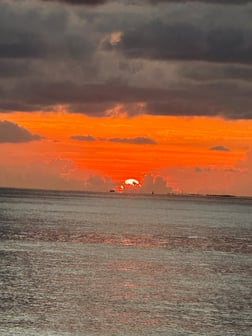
[[177, 141]]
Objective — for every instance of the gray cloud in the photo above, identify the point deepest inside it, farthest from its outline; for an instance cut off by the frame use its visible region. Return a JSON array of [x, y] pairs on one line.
[[135, 141], [219, 148], [83, 137], [178, 64], [219, 2], [69, 92], [188, 42], [27, 46], [13, 133], [203, 72], [10, 69], [47, 36], [230, 100], [153, 2], [80, 2]]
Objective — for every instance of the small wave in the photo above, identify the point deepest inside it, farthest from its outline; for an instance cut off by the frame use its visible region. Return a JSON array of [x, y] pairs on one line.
[[219, 243]]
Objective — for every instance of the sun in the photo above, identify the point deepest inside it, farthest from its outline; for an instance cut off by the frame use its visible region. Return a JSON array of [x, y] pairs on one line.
[[129, 185], [132, 182]]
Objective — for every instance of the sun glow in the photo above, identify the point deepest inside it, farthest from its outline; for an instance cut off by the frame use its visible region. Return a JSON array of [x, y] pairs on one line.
[[132, 182], [129, 185]]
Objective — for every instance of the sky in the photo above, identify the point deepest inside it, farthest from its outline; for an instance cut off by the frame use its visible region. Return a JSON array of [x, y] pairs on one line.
[[93, 92]]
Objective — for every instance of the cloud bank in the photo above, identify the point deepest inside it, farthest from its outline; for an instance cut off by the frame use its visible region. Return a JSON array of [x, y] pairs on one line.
[[80, 2], [155, 184], [53, 174], [13, 133], [153, 2], [135, 140], [236, 180], [153, 57]]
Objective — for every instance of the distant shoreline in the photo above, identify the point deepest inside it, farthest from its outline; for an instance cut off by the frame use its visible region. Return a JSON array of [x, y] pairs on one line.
[[115, 193]]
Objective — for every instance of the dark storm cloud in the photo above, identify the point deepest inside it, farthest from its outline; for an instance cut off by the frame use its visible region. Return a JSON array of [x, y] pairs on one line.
[[25, 46], [80, 2], [10, 69], [47, 94], [219, 148], [30, 33], [13, 133], [179, 63], [135, 141], [153, 2], [209, 72], [188, 42], [229, 100], [218, 2]]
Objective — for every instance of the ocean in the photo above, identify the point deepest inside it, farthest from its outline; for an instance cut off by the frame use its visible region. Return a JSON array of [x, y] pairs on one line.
[[76, 264]]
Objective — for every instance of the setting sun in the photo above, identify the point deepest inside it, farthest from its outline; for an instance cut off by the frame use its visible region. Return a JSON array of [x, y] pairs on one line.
[[132, 182]]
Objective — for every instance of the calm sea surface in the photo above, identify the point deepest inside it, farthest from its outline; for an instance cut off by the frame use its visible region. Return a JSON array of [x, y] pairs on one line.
[[108, 264]]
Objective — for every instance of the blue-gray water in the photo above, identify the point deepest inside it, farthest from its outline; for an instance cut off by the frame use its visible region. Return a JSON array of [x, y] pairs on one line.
[[109, 264]]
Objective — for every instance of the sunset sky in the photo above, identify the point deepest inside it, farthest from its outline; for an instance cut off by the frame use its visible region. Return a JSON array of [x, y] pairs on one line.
[[93, 92]]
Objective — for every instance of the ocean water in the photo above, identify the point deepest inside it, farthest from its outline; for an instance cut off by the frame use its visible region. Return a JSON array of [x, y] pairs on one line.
[[80, 264]]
